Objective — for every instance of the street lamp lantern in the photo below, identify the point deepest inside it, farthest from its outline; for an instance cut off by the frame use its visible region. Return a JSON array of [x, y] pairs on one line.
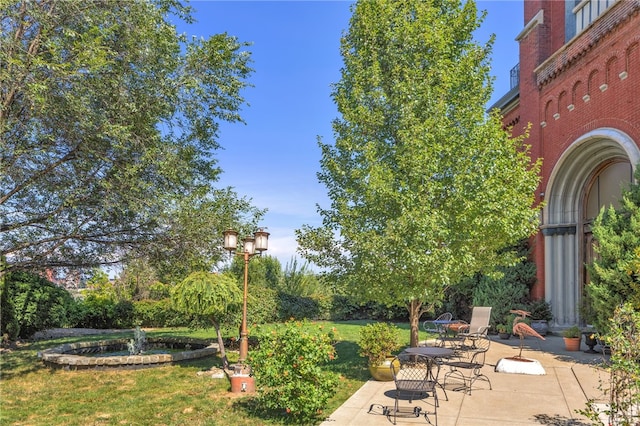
[[230, 240], [250, 244], [262, 238]]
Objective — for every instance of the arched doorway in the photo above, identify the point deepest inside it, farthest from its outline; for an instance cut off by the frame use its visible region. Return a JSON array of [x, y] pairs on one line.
[[603, 190], [588, 175]]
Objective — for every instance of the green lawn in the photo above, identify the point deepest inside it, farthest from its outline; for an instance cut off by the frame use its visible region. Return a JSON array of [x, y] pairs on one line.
[[32, 394]]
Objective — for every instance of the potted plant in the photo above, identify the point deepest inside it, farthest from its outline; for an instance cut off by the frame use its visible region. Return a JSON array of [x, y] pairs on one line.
[[572, 338], [540, 316], [503, 331], [378, 341], [590, 339]]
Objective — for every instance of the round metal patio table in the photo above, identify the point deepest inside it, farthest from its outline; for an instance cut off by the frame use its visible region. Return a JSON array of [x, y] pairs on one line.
[[432, 351]]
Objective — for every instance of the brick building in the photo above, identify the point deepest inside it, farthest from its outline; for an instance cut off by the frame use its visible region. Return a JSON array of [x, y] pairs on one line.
[[579, 91]]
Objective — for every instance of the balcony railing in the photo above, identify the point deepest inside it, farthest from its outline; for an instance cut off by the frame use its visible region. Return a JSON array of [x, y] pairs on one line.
[[588, 10], [515, 76]]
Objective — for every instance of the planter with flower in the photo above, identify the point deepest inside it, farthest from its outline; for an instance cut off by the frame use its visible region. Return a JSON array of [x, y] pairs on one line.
[[590, 339], [378, 341], [572, 338], [503, 331]]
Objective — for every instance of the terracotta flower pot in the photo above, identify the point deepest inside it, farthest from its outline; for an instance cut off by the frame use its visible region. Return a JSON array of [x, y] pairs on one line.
[[572, 343]]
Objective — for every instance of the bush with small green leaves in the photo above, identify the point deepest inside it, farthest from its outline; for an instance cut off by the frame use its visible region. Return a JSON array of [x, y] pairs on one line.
[[289, 370], [298, 307], [623, 338], [378, 340], [30, 303], [540, 310], [98, 311], [158, 313], [572, 332], [262, 306]]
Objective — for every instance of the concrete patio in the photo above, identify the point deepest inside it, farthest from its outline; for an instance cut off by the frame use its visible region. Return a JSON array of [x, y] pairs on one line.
[[516, 399]]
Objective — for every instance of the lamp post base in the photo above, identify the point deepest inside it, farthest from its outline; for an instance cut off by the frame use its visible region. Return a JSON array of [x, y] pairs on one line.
[[242, 383]]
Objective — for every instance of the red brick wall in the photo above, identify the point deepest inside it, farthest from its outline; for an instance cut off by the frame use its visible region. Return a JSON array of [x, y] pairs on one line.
[[568, 90]]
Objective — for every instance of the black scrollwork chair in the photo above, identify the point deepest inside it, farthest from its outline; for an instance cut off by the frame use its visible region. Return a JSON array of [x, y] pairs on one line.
[[416, 378], [468, 363]]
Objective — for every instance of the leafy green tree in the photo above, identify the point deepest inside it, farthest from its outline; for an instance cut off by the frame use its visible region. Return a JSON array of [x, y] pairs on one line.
[[615, 273], [300, 281], [109, 121], [425, 186], [137, 278], [213, 296], [99, 285], [507, 289], [264, 271]]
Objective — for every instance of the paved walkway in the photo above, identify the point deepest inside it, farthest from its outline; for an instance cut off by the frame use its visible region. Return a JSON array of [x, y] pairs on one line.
[[516, 399]]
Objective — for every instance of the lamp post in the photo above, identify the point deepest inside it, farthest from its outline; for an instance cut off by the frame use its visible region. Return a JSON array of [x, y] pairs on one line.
[[252, 244]]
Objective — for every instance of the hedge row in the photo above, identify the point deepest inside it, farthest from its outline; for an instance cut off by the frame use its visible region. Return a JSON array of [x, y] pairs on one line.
[[30, 303]]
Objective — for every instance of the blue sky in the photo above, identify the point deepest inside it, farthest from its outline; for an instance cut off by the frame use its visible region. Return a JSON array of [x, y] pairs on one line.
[[273, 158]]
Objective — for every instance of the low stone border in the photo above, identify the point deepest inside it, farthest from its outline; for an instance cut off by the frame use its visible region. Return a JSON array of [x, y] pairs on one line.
[[71, 356]]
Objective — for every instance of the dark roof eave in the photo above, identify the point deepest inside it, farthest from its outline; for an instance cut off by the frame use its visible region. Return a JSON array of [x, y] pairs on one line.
[[505, 100]]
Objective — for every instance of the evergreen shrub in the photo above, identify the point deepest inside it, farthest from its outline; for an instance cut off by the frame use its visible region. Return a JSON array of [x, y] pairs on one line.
[[31, 303]]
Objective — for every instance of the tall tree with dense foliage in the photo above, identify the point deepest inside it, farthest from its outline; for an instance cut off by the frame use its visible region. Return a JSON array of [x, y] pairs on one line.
[[109, 121], [425, 187], [615, 271]]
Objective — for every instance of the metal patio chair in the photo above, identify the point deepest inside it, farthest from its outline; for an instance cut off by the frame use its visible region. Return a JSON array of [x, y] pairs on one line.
[[438, 326], [479, 324], [416, 378], [459, 330], [468, 363]]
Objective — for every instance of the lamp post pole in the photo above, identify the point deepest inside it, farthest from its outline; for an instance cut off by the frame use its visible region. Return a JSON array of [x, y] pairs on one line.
[[244, 334], [258, 242]]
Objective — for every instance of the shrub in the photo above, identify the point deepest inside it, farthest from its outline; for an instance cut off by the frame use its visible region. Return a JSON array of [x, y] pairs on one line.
[[572, 332], [158, 313], [123, 315], [262, 306], [298, 307], [151, 313], [540, 310], [506, 290], [288, 369], [30, 303], [101, 312], [378, 340], [624, 382], [615, 271], [344, 308]]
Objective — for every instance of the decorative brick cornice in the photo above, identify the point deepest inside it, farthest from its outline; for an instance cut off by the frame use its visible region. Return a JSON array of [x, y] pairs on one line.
[[587, 40]]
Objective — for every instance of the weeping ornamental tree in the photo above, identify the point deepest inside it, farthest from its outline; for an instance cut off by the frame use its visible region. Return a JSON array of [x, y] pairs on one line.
[[425, 187], [213, 296]]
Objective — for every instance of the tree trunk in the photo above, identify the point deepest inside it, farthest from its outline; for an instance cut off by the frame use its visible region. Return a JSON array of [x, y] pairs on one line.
[[223, 353], [415, 309]]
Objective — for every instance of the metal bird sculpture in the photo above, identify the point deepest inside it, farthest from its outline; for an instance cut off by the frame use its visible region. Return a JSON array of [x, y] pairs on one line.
[[523, 329]]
